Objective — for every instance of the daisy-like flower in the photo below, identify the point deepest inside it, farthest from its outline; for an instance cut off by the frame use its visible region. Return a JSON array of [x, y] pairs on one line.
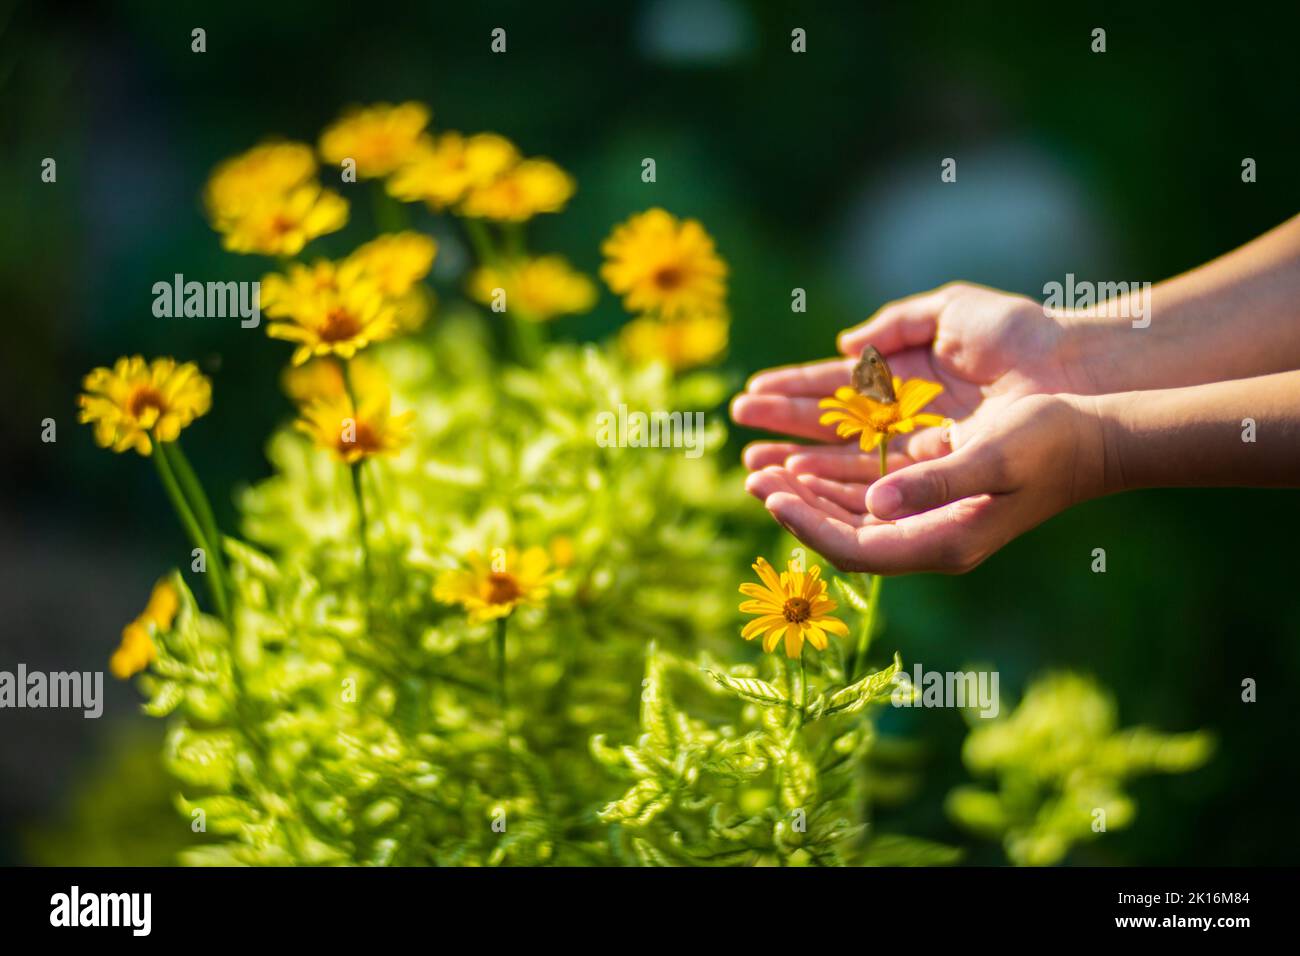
[[793, 606], [327, 310], [318, 378], [534, 186], [536, 289], [855, 414], [352, 433], [440, 171], [136, 403], [269, 170], [492, 587], [681, 343], [395, 262], [137, 651], [664, 266], [378, 138], [281, 224]]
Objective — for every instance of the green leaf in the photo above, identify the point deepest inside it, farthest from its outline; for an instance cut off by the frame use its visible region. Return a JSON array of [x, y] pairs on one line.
[[873, 687], [750, 688], [851, 595]]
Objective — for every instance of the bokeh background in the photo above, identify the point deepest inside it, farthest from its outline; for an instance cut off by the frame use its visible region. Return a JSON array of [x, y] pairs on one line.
[[817, 171]]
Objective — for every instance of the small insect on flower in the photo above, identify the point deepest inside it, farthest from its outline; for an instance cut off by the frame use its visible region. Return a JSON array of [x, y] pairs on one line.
[[136, 403], [680, 343], [492, 587], [536, 289], [355, 432], [793, 606], [853, 413], [440, 171], [532, 187], [378, 138], [137, 651], [665, 266]]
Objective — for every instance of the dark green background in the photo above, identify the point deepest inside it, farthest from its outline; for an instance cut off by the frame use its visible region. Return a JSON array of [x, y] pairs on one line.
[[817, 171]]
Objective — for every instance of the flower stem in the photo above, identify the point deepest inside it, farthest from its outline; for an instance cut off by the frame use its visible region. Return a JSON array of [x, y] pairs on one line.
[[362, 525], [198, 500], [503, 701], [481, 240], [193, 529], [803, 692], [873, 592]]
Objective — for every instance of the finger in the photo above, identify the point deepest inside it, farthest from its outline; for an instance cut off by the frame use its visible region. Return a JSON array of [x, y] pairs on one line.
[[811, 380], [973, 469], [777, 413], [925, 444], [842, 462], [951, 539], [835, 540], [770, 481], [899, 325], [850, 496], [761, 454]]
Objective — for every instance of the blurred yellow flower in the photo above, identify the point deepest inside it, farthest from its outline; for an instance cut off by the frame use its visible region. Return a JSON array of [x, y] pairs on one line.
[[492, 588], [440, 172], [536, 289], [351, 432], [136, 650], [664, 266], [855, 414], [395, 262], [681, 343], [378, 138], [793, 606], [266, 171], [326, 309], [136, 398], [281, 224], [318, 378], [534, 186]]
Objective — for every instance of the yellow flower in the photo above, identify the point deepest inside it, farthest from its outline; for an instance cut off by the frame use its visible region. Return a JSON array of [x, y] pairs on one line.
[[395, 262], [536, 289], [854, 414], [135, 398], [492, 588], [352, 433], [441, 171], [318, 378], [281, 224], [534, 186], [664, 266], [326, 309], [793, 606], [270, 170], [379, 138], [137, 651], [682, 343]]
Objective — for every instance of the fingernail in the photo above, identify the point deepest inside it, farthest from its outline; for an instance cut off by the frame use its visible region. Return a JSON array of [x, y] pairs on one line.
[[885, 502]]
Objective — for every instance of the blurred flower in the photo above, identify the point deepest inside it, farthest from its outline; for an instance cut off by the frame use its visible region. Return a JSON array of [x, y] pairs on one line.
[[318, 378], [854, 413], [281, 224], [396, 261], [354, 432], [534, 186], [682, 343], [793, 606], [536, 289], [664, 266], [266, 171], [326, 309], [441, 171], [379, 138], [134, 398], [562, 551], [137, 651], [490, 589]]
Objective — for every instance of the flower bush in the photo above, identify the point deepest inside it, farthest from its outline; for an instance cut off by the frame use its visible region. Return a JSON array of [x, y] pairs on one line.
[[453, 627]]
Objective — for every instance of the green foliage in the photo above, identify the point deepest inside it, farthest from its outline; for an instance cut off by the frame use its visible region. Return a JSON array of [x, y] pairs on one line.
[[1060, 764]]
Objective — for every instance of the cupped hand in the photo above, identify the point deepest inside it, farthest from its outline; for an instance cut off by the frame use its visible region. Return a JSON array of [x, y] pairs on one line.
[[1019, 464]]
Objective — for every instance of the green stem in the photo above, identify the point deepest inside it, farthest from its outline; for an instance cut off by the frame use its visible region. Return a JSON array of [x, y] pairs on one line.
[[873, 593], [803, 684], [503, 700], [526, 337], [192, 488], [362, 524], [481, 240], [192, 528]]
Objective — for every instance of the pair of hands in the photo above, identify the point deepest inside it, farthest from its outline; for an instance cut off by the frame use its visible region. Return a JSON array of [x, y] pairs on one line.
[[1025, 441]]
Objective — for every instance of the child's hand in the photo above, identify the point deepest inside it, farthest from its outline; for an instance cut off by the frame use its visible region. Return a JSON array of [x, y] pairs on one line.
[[984, 347], [1011, 468]]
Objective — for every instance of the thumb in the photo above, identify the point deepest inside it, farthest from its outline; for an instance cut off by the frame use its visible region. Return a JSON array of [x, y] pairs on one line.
[[973, 469]]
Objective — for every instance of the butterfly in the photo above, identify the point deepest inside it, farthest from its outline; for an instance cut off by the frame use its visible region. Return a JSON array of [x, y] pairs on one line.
[[872, 377]]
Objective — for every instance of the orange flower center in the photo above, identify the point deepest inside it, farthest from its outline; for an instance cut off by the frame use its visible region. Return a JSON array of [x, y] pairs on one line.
[[281, 225], [502, 588], [797, 610], [366, 440], [340, 325], [669, 278], [143, 399]]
